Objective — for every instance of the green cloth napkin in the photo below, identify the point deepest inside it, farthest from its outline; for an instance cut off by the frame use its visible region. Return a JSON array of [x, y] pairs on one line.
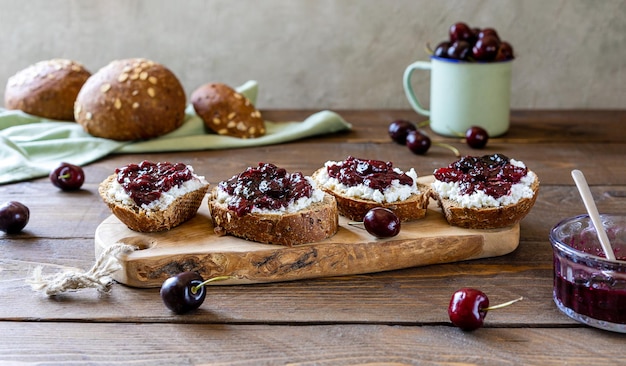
[[31, 147]]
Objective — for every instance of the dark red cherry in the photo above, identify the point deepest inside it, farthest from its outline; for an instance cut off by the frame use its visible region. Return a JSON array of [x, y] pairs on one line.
[[486, 48], [467, 308], [476, 137], [13, 217], [398, 130], [418, 142], [183, 292], [461, 32], [442, 50], [460, 50], [505, 52], [381, 222], [488, 32], [68, 177]]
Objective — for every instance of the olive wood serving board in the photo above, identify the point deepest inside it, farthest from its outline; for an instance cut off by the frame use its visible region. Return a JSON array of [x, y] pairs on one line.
[[194, 246]]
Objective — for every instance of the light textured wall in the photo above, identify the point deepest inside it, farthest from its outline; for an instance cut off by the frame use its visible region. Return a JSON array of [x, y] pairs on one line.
[[329, 53]]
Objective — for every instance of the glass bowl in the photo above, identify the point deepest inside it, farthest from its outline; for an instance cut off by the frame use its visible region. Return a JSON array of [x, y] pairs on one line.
[[588, 287]]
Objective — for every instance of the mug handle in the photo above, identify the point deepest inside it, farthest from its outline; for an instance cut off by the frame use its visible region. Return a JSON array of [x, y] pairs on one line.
[[408, 88]]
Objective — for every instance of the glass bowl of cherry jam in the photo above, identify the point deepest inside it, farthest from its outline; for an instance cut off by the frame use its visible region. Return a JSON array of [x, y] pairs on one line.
[[588, 287]]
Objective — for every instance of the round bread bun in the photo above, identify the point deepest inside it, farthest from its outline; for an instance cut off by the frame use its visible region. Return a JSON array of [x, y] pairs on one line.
[[227, 112], [46, 89], [131, 99]]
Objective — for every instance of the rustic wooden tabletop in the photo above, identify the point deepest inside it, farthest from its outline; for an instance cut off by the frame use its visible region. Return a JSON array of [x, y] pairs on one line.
[[395, 317]]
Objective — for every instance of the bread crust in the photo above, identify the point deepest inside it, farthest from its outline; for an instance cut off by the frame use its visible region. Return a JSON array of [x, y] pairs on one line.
[[47, 88], [353, 208], [131, 99], [487, 217], [313, 224], [227, 112], [136, 218]]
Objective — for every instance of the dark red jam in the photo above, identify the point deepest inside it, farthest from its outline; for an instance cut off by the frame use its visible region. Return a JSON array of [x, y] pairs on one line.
[[600, 301], [587, 287], [492, 174], [375, 174], [265, 187], [144, 182]]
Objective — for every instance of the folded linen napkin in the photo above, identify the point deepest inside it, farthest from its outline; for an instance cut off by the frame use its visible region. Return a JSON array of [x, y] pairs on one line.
[[30, 146]]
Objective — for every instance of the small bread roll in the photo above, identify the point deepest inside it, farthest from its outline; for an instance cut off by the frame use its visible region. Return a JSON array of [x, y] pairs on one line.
[[226, 112], [131, 99], [46, 89]]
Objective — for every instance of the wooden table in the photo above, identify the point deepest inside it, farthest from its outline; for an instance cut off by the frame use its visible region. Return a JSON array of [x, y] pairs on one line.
[[396, 317]]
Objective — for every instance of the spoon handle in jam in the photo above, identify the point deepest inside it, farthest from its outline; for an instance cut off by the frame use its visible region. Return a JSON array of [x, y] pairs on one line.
[[592, 210]]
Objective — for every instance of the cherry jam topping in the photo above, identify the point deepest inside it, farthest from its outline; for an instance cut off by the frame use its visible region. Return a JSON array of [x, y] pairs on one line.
[[492, 174], [265, 187], [146, 181], [375, 174]]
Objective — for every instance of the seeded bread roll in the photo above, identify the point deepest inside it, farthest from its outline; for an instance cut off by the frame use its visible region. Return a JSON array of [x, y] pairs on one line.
[[487, 217], [354, 208], [47, 89], [317, 222], [226, 112], [132, 99]]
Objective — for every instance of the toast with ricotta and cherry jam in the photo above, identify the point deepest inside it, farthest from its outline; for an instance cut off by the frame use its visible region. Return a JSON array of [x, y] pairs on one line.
[[359, 185], [150, 197], [266, 204], [485, 192]]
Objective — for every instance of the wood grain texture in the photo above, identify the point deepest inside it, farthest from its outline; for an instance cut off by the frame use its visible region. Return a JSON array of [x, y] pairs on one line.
[[194, 246], [390, 317], [347, 344]]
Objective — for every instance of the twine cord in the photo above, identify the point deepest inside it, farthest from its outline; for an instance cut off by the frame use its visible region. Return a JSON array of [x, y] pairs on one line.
[[97, 277]]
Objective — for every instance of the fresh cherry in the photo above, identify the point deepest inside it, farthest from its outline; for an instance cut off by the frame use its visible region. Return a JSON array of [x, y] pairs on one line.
[[487, 32], [13, 217], [381, 222], [418, 142], [486, 48], [185, 291], [68, 177], [442, 49], [505, 52], [476, 137], [460, 50], [399, 129], [460, 32], [468, 308]]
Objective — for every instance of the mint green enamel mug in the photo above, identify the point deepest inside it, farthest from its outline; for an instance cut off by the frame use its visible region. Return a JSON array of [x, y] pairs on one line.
[[464, 94]]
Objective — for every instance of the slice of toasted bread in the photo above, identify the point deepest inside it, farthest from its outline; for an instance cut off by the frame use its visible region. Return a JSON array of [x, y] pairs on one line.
[[314, 223], [355, 208], [487, 217], [139, 219]]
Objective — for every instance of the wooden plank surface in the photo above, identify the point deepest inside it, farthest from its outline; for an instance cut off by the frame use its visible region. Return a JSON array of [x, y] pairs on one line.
[[394, 316], [345, 344]]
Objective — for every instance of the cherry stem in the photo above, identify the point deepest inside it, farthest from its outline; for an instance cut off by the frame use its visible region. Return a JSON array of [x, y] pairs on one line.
[[218, 278], [502, 305], [456, 133], [423, 123], [357, 224], [428, 49], [456, 151], [65, 176]]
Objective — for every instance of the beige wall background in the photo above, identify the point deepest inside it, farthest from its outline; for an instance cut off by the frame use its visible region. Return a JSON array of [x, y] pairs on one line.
[[333, 54]]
